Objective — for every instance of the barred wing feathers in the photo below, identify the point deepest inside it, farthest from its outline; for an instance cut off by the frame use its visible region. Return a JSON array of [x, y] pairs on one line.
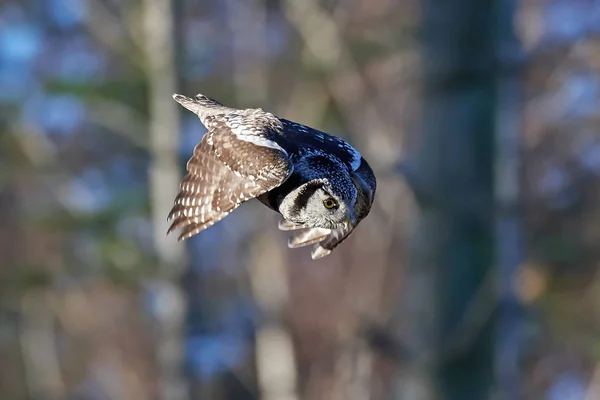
[[231, 164]]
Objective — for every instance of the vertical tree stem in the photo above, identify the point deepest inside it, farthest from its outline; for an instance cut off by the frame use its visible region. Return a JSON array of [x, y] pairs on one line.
[[160, 51]]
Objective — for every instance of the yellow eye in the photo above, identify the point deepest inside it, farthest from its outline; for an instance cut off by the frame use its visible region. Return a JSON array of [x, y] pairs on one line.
[[329, 203]]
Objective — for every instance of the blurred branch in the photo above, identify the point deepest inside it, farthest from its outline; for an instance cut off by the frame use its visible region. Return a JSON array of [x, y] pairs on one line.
[[112, 32], [480, 310], [247, 22], [42, 154], [322, 38], [382, 341], [307, 103], [120, 119], [477, 314], [38, 345]]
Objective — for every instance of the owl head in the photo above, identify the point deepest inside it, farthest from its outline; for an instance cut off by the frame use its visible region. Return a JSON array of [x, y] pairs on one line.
[[322, 203]]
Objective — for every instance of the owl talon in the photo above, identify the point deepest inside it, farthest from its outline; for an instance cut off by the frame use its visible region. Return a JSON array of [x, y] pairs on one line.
[[319, 252], [308, 237], [286, 225]]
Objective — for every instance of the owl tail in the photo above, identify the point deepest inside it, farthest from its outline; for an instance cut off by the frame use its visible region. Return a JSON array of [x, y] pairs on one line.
[[202, 106]]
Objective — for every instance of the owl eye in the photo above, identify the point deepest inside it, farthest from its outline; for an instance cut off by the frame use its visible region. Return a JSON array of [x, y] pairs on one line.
[[329, 203]]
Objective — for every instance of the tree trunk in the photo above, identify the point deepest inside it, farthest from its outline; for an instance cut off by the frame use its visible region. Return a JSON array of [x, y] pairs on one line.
[[450, 299], [169, 311]]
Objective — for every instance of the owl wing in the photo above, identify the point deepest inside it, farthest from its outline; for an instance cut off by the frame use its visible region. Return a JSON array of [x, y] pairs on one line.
[[326, 240], [232, 163]]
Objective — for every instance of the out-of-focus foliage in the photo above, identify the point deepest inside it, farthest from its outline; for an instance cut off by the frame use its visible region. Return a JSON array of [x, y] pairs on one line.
[[560, 153], [77, 257]]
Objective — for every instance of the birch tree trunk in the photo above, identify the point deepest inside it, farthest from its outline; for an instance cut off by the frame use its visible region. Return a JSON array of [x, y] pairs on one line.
[[169, 311]]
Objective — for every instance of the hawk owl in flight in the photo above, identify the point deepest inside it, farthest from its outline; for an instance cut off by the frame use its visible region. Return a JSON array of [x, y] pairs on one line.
[[320, 184]]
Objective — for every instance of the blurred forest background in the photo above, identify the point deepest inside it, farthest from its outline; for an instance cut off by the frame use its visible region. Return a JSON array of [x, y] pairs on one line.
[[475, 276]]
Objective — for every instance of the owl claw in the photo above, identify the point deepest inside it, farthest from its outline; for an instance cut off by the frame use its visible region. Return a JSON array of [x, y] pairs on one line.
[[319, 252], [286, 225], [308, 237]]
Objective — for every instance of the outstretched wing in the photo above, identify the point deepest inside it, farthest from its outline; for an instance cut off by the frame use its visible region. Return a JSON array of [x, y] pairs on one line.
[[234, 162]]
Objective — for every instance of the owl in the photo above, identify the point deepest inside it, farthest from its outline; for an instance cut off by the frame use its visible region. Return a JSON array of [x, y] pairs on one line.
[[321, 186]]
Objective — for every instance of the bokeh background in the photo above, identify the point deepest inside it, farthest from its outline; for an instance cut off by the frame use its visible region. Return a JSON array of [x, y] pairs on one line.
[[475, 275]]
